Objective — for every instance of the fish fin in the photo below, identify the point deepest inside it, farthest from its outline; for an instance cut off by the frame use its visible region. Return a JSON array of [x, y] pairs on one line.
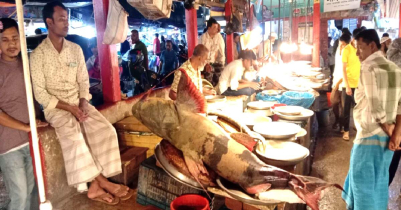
[[195, 168], [309, 189], [244, 139], [189, 95]]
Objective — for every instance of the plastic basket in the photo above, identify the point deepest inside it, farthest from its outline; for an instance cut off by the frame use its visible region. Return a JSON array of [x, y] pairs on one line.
[[294, 98]]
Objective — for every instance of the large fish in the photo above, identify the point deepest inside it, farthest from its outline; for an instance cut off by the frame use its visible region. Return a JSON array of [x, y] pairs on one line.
[[202, 141]]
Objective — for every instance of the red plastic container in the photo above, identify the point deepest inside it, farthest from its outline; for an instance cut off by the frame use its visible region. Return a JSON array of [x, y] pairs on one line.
[[275, 117], [328, 94], [190, 202]]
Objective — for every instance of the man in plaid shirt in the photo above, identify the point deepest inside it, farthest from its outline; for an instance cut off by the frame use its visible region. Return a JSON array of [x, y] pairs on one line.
[[378, 98]]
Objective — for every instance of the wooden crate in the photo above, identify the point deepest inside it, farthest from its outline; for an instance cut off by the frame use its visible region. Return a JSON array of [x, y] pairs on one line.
[[131, 132], [131, 124], [139, 139], [157, 188], [131, 159]]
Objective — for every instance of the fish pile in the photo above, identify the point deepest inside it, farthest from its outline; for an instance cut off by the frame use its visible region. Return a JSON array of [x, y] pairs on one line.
[[203, 142]]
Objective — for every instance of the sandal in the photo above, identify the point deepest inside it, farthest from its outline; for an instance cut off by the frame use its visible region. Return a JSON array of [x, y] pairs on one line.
[[122, 190], [101, 197]]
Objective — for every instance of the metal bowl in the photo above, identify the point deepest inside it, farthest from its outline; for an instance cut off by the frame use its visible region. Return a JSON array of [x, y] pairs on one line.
[[251, 119], [173, 172], [316, 69], [289, 110], [304, 115], [277, 130], [265, 112], [215, 98], [260, 105], [238, 193], [279, 163], [272, 153]]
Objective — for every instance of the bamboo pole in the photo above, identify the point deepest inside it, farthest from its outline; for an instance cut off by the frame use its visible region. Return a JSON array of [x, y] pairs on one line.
[[44, 204]]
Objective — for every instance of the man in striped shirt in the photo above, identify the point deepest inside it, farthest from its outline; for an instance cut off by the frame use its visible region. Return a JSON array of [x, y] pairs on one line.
[[378, 98]]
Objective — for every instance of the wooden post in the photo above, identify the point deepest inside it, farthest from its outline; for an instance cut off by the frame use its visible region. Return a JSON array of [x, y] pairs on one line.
[[192, 30], [229, 38], [107, 55], [34, 142], [316, 34]]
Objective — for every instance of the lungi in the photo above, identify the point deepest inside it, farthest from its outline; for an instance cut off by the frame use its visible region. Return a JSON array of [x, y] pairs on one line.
[[89, 148], [366, 185]]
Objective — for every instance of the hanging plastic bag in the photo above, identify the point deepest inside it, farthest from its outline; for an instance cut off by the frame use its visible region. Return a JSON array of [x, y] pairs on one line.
[[117, 24]]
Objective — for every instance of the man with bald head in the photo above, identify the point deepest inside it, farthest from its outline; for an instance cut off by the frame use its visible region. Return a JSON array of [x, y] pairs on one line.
[[193, 67]]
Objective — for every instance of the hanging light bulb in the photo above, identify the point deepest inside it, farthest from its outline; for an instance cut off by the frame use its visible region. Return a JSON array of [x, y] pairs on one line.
[[251, 39], [288, 47], [306, 49]]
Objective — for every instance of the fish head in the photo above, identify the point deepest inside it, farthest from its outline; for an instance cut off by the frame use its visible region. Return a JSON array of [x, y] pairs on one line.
[[136, 110], [159, 115]]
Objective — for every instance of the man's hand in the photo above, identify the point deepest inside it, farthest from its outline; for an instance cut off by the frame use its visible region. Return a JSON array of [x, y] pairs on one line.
[[394, 144], [39, 124], [208, 91], [388, 128], [78, 113], [83, 105], [254, 85], [349, 91]]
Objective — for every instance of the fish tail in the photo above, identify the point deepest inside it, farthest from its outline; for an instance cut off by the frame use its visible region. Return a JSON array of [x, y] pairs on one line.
[[309, 189]]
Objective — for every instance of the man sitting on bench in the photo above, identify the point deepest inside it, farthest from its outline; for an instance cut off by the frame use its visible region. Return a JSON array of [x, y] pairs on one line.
[[61, 84]]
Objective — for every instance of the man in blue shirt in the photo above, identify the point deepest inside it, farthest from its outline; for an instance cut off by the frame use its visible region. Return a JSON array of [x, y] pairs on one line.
[[168, 62]]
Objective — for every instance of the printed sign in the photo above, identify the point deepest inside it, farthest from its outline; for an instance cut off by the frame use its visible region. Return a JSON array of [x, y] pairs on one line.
[[337, 5]]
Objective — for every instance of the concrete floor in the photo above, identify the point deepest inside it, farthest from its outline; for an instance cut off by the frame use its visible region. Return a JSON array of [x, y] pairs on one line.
[[331, 163]]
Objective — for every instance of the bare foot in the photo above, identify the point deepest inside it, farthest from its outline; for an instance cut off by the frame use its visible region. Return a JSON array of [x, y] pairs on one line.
[[114, 189], [95, 191]]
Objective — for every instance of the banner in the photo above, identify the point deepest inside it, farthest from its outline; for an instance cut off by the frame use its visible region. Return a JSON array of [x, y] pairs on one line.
[[337, 5]]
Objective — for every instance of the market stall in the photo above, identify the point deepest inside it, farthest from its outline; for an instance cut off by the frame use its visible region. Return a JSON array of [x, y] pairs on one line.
[[279, 136]]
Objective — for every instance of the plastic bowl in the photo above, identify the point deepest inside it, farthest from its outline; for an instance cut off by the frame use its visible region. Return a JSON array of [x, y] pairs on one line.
[[190, 202]]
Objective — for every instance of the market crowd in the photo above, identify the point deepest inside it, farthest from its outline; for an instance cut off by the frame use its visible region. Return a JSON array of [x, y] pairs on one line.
[[61, 80], [366, 75], [143, 69], [367, 78]]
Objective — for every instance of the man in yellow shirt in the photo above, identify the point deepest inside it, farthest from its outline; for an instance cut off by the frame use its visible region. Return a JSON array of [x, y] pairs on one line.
[[351, 72]]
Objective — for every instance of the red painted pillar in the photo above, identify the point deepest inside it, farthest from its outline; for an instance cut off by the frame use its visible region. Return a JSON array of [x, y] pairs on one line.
[[229, 38], [316, 34], [192, 30], [250, 18], [107, 55]]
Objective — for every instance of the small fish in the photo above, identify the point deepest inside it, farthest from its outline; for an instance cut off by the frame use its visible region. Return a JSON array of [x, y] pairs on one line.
[[202, 141]]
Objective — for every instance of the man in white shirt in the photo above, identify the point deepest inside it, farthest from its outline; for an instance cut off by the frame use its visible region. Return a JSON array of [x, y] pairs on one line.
[[231, 82], [214, 42]]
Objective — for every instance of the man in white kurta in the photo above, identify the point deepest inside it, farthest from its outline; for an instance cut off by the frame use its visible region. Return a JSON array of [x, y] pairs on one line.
[[214, 42], [231, 81], [61, 85]]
